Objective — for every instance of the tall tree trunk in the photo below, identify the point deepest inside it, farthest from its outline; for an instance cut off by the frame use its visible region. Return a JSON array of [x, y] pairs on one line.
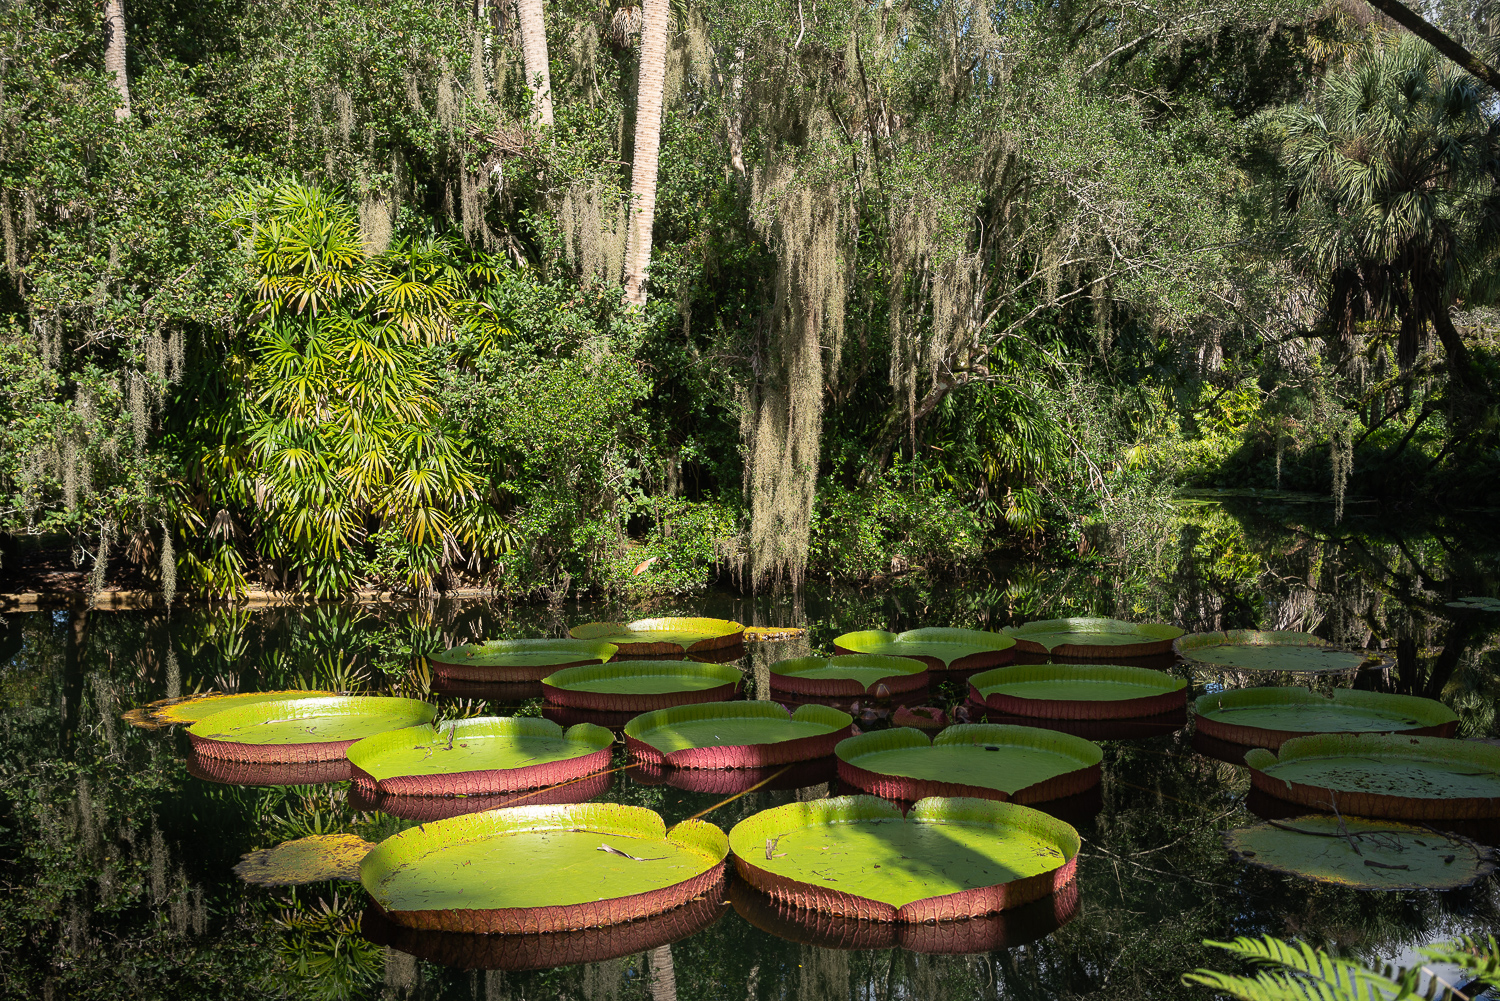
[[114, 52], [647, 146], [534, 53], [663, 974]]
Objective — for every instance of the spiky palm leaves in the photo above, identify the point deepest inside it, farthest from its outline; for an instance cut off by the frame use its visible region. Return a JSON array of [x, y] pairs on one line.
[[337, 432], [1394, 197], [1295, 971]]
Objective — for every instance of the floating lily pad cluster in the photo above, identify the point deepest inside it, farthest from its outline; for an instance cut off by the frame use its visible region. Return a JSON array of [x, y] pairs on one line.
[[966, 847]]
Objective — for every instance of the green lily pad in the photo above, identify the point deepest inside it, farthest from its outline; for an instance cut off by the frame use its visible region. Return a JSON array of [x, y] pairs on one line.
[[305, 860], [303, 729], [1383, 775], [941, 649], [671, 635], [858, 856], [1093, 637], [1476, 604], [641, 685], [1266, 717], [1253, 650], [192, 708], [1362, 854], [851, 674], [479, 756], [735, 734], [1078, 691], [1020, 763], [541, 869], [517, 660]]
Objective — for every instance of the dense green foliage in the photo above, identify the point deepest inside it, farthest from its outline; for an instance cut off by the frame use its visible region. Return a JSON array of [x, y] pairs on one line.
[[328, 310]]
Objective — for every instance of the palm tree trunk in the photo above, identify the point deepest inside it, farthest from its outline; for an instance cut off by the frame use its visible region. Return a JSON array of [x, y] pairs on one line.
[[647, 146], [663, 974], [114, 52], [534, 54]]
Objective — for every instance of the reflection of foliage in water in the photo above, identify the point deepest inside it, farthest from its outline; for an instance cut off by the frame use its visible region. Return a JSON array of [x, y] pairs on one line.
[[115, 861]]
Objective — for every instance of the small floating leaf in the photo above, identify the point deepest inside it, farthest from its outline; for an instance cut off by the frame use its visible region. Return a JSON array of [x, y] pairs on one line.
[[1362, 854], [306, 860]]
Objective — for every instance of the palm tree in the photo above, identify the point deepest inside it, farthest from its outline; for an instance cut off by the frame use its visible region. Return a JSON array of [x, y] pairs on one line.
[[114, 52], [534, 54], [647, 146], [1393, 196]]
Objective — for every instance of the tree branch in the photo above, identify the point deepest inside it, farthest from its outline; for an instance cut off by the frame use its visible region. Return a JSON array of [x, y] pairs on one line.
[[1438, 39]]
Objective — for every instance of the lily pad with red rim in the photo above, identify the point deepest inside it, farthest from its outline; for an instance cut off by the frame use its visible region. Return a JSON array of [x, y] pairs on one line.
[[190, 709], [716, 735], [1021, 764], [302, 729], [728, 781], [1362, 854], [641, 686], [1383, 775], [549, 949], [306, 860], [530, 869], [948, 859], [940, 648], [517, 660], [668, 636], [987, 933], [1255, 650], [1078, 691], [423, 809], [1094, 638], [1268, 717], [849, 675], [1133, 728], [480, 756], [267, 773]]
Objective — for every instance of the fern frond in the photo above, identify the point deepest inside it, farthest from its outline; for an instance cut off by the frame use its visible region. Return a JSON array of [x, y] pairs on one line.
[[1302, 973]]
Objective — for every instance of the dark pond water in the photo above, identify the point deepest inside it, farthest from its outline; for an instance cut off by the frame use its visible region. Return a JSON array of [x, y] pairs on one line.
[[115, 861]]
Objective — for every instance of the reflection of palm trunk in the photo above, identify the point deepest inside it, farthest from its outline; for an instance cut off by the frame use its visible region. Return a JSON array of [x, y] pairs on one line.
[[663, 976]]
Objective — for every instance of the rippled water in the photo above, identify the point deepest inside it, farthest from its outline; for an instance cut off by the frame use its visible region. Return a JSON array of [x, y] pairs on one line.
[[115, 861]]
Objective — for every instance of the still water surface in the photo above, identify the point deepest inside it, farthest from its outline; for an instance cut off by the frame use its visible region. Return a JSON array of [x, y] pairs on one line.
[[116, 874]]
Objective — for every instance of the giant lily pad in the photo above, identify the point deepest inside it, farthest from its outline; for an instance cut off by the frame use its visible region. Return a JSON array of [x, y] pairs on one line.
[[190, 709], [947, 859], [516, 660], [1078, 691], [1267, 717], [1475, 604], [640, 686], [1251, 650], [477, 757], [1098, 639], [983, 933], [1022, 764], [542, 869], [551, 949], [302, 729], [735, 735], [1362, 854], [1383, 775], [849, 675], [729, 781], [1134, 728], [941, 649], [423, 809], [664, 636], [267, 773]]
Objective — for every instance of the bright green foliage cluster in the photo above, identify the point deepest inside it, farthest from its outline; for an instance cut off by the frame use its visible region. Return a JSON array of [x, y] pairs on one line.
[[1296, 971], [329, 311]]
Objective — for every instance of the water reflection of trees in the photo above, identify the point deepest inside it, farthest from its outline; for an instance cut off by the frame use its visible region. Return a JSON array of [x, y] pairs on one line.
[[116, 865]]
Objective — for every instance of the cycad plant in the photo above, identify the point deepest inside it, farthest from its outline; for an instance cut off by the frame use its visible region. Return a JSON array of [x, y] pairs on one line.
[[1394, 205], [334, 431], [1295, 971]]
